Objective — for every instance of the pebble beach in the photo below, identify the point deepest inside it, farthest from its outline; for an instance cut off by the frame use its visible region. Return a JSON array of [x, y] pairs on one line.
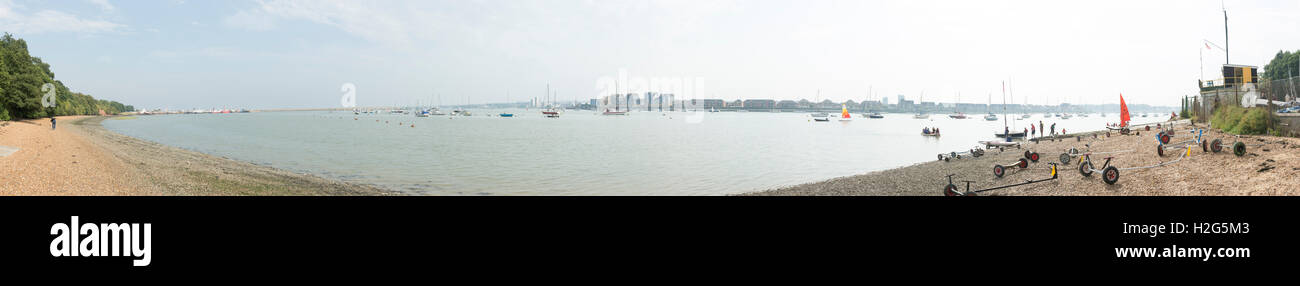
[[1269, 167]]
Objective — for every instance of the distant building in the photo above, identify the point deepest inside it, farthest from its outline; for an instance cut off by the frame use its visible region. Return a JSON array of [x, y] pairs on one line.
[[759, 104], [709, 103], [787, 104], [736, 104]]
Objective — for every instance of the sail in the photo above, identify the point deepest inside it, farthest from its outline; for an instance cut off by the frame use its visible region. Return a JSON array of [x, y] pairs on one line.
[[844, 111], [1123, 112]]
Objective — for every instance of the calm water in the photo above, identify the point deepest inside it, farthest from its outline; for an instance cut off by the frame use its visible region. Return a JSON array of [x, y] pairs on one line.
[[581, 153]]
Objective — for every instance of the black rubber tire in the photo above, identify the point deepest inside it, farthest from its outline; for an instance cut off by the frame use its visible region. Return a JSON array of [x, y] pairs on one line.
[[1085, 169], [1160, 150], [951, 191], [1110, 175], [940, 157], [1022, 163], [1205, 146], [1033, 157], [1164, 138], [1065, 159], [1216, 146], [1026, 153], [1239, 149], [998, 170], [946, 159]]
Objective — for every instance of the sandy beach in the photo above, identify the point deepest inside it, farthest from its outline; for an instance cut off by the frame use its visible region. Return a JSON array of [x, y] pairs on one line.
[[1267, 169], [82, 158]]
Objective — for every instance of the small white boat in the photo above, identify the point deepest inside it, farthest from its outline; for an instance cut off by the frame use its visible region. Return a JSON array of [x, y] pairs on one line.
[[991, 117]]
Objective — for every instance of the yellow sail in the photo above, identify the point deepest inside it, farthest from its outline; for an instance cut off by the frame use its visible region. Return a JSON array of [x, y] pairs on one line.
[[844, 111]]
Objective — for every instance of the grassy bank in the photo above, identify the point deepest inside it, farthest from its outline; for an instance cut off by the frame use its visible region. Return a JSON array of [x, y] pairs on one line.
[[1243, 121]]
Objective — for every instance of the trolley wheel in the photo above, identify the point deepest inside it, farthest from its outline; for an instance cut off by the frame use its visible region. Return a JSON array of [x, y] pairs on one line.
[[1205, 146], [1033, 157], [998, 170], [940, 157], [1085, 169], [1110, 175], [1023, 163], [946, 159], [951, 191], [1065, 159], [1160, 150], [1239, 149], [1027, 154], [1217, 145], [1164, 138]]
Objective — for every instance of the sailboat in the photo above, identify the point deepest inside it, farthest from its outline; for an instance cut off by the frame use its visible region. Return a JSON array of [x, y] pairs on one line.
[[990, 116], [1006, 129], [957, 114], [1025, 106], [844, 114], [550, 111], [920, 114], [1123, 116]]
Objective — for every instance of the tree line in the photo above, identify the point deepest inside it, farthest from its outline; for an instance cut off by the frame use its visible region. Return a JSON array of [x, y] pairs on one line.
[[1285, 64], [22, 77]]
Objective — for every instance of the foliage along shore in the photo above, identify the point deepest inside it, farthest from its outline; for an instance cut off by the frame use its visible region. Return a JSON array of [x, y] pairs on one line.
[[21, 79]]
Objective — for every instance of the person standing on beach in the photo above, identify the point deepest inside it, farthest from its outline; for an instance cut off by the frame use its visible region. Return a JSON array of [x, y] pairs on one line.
[[1040, 126], [1033, 132], [1053, 129], [52, 122]]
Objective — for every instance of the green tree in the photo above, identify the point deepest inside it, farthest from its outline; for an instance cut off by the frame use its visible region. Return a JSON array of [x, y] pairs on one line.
[[1283, 65], [21, 78]]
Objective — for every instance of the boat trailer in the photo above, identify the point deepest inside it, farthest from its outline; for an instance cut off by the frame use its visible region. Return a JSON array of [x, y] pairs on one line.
[[952, 191], [1032, 156], [1238, 147], [973, 152], [1110, 174], [999, 170], [1165, 136], [1072, 153]]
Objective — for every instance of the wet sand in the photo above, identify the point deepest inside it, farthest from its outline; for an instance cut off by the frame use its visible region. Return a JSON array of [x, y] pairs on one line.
[[1268, 169], [82, 158]]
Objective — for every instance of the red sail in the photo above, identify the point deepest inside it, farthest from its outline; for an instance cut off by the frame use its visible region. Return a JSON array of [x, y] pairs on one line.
[[1123, 112]]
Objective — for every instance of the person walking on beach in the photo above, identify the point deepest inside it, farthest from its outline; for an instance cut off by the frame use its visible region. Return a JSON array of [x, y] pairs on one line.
[[52, 122], [1053, 129]]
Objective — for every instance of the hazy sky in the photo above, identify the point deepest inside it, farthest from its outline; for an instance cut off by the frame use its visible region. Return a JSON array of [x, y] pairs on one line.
[[287, 53]]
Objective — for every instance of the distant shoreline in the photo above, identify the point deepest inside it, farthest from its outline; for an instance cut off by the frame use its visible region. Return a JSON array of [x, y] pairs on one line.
[[83, 158]]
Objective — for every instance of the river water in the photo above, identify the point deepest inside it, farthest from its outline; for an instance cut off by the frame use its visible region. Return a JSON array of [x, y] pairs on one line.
[[580, 153]]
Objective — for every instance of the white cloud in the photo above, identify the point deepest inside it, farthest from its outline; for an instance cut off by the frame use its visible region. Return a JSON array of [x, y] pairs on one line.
[[249, 20], [357, 18], [49, 21], [103, 5]]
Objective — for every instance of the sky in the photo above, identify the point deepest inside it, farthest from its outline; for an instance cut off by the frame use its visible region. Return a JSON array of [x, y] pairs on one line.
[[182, 54]]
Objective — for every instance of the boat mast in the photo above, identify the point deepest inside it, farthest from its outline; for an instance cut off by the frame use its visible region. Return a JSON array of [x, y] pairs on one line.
[[1004, 104]]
